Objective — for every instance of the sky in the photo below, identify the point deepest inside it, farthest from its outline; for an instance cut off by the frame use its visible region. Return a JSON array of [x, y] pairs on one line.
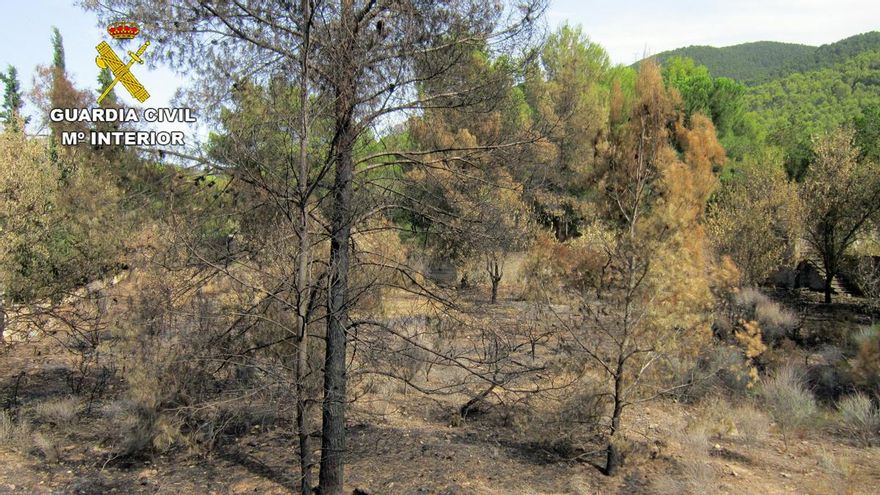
[[628, 29], [25, 31]]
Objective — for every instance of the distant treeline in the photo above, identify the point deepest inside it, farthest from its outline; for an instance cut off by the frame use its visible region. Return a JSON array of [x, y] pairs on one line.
[[761, 61]]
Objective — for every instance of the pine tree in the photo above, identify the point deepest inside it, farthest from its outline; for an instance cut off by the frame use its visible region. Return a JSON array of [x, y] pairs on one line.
[[62, 94], [12, 100], [105, 77], [57, 50]]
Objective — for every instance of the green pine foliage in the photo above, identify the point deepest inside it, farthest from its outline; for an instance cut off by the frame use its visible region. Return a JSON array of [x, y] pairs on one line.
[[762, 61], [10, 112], [58, 60], [800, 106]]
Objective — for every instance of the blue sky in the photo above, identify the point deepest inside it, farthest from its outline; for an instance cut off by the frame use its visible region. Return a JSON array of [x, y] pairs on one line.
[[626, 28], [25, 31]]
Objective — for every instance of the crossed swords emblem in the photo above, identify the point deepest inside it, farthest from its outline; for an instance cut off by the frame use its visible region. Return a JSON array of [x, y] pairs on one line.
[[122, 72]]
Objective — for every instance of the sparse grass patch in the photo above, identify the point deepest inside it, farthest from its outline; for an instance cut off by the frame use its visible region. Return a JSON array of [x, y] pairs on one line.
[[839, 469], [859, 418], [694, 474], [15, 434], [714, 417], [753, 425], [59, 412], [788, 401]]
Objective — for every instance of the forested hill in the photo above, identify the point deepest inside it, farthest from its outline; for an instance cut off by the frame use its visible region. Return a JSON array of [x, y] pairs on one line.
[[761, 61]]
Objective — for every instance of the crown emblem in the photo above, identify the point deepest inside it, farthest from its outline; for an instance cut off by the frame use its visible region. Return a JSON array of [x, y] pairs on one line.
[[123, 30]]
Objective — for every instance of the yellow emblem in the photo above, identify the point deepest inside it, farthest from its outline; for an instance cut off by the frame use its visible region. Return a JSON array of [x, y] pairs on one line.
[[122, 72]]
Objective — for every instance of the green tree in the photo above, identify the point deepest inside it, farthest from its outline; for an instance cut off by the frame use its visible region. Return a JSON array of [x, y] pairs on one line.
[[105, 77], [841, 194], [693, 82], [12, 100], [58, 59], [722, 99], [568, 97], [867, 127], [800, 106], [755, 217]]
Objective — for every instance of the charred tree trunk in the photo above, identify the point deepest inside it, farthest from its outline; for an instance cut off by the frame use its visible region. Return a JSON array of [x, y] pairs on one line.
[[829, 257], [2, 321], [829, 281], [333, 427], [333, 413], [303, 409], [470, 405], [614, 458], [493, 267]]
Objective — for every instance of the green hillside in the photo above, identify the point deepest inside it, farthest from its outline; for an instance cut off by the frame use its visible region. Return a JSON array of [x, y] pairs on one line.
[[800, 105], [762, 61]]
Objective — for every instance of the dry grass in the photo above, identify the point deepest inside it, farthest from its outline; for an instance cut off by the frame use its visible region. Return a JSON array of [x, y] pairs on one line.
[[840, 472], [775, 321], [859, 418], [15, 434], [47, 447], [696, 475], [752, 424], [59, 412], [788, 401]]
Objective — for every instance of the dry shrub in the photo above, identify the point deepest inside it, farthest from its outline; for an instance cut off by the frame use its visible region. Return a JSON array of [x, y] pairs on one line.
[[865, 273], [165, 345], [550, 264], [862, 335], [719, 368], [234, 417], [59, 412], [829, 382], [859, 418], [788, 401], [866, 366], [139, 428], [567, 426], [15, 434], [775, 321]]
